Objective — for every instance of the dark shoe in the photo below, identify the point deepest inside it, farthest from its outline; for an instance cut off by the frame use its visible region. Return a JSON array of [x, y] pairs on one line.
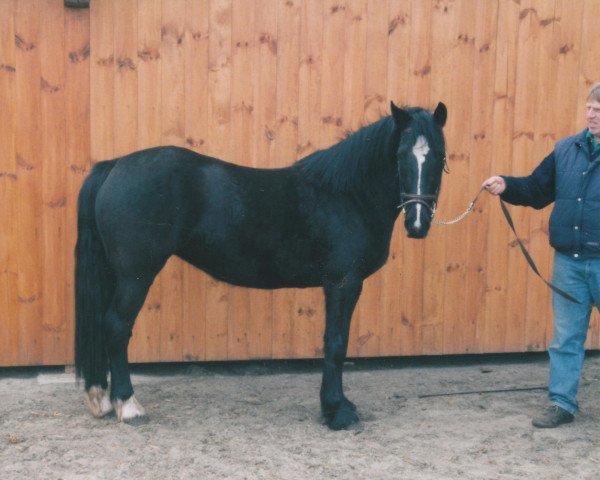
[[553, 417]]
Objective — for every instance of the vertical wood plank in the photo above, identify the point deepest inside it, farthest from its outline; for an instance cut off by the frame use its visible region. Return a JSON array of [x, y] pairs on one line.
[[264, 78], [332, 67], [330, 64], [307, 328], [567, 51], [399, 29], [457, 328], [434, 330], [219, 121], [145, 55], [173, 43], [481, 128], [420, 51], [125, 96], [523, 135], [256, 304], [410, 24], [305, 317], [364, 325], [494, 332], [77, 142], [29, 196], [544, 124], [8, 187], [125, 105], [102, 80], [373, 313], [196, 131], [286, 302], [308, 313], [240, 323], [415, 262], [52, 118]]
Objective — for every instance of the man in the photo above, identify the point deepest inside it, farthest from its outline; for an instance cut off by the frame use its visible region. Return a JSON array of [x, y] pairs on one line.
[[569, 177]]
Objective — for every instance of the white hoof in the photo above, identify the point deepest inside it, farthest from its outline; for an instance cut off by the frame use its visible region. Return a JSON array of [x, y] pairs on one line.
[[98, 402], [130, 411]]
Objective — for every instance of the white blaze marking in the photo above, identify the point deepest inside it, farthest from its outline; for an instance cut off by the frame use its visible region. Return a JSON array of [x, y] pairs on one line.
[[420, 151]]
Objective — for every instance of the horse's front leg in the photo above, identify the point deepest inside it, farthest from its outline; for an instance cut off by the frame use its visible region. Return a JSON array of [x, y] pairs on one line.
[[340, 300]]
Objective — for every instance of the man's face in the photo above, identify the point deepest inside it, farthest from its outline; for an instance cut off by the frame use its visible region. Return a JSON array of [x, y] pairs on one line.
[[593, 117]]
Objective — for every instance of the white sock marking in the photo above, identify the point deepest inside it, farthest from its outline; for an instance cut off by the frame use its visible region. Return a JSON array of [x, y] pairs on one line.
[[129, 409], [98, 402], [420, 151]]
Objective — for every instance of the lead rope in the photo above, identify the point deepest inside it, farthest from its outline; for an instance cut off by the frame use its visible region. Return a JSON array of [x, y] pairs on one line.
[[532, 264], [524, 251], [462, 215]]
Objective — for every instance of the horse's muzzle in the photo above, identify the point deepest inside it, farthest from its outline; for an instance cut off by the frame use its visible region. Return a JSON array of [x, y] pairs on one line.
[[418, 213], [417, 232]]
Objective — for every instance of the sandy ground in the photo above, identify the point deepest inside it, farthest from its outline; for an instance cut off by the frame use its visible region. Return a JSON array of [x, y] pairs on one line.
[[261, 421]]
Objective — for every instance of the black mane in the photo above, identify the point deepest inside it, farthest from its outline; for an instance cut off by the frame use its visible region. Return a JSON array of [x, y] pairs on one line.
[[346, 164]]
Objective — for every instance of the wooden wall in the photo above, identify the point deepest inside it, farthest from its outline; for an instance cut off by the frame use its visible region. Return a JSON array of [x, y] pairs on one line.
[[262, 83]]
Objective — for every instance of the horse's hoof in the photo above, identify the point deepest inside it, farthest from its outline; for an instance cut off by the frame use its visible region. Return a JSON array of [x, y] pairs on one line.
[[130, 411], [348, 404], [343, 419], [98, 402], [137, 421]]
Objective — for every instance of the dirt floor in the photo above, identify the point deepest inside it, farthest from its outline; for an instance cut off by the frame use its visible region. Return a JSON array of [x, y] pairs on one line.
[[261, 421]]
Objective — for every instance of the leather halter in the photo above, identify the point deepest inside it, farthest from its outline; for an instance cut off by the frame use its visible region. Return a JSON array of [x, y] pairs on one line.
[[428, 200]]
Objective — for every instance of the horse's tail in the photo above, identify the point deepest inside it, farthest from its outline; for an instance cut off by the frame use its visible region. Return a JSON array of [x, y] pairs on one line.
[[94, 284]]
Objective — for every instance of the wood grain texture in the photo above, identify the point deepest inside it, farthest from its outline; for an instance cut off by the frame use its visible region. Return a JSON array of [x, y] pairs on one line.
[[263, 83]]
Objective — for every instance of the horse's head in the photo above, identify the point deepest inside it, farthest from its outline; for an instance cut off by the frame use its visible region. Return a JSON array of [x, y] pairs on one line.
[[421, 157]]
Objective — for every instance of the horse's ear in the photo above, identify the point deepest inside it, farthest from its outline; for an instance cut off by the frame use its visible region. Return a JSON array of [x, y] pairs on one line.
[[401, 117], [440, 115]]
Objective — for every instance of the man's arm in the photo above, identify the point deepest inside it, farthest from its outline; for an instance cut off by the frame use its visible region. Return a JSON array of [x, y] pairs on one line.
[[535, 190]]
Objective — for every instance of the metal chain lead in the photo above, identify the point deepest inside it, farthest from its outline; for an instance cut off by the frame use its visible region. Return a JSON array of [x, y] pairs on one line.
[[462, 215]]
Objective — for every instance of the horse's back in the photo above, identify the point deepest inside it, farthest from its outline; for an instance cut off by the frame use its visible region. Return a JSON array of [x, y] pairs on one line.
[[239, 224]]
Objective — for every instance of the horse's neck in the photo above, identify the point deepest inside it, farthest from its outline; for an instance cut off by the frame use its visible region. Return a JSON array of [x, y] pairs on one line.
[[380, 184], [383, 194], [363, 166]]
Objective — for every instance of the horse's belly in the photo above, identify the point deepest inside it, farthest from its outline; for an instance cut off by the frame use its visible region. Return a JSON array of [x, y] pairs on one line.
[[254, 269]]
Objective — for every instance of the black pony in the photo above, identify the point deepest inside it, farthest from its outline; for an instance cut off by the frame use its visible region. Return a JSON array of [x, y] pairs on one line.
[[325, 221]]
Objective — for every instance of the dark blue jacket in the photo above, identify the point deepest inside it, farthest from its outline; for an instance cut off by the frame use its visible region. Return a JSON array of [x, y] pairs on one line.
[[570, 178]]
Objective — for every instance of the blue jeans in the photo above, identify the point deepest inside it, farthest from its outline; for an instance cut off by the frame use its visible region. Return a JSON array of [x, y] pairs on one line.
[[581, 279]]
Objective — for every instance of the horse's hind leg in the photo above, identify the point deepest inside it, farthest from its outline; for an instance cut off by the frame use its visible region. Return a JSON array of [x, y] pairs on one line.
[[96, 398], [118, 325], [98, 402]]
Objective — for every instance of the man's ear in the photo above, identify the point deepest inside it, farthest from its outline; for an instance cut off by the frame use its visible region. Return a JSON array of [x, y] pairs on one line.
[[401, 117]]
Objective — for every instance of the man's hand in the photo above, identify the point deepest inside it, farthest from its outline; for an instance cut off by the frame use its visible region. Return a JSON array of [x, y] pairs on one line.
[[495, 185]]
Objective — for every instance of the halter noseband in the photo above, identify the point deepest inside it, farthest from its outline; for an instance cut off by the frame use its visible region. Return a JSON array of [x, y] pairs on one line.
[[429, 200]]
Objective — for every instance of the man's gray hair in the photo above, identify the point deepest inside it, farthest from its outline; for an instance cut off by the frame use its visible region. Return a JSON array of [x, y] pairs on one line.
[[595, 93]]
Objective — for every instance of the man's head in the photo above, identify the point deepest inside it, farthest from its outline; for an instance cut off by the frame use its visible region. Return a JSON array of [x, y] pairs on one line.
[[593, 111]]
